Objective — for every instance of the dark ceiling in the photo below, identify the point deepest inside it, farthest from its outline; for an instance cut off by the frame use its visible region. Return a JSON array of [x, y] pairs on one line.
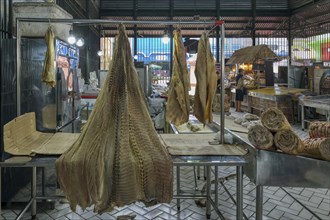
[[243, 18]]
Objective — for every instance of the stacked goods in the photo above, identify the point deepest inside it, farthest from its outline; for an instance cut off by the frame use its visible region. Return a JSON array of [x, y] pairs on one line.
[[177, 107], [318, 145], [324, 148], [312, 146], [274, 120], [287, 141], [206, 81], [260, 137], [118, 158], [48, 73], [319, 129], [275, 130]]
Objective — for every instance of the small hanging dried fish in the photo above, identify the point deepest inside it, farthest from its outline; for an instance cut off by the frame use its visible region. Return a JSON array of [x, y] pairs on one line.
[[48, 73]]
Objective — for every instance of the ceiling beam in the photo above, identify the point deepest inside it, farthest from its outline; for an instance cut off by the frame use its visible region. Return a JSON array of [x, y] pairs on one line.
[[206, 13], [190, 29], [308, 6]]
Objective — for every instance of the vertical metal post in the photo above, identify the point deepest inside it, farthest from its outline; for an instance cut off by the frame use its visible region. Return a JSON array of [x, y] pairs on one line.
[[135, 26], [239, 193], [18, 68], [0, 189], [259, 202], [290, 42], [208, 191], [217, 33], [178, 186], [254, 13], [34, 192], [222, 119], [171, 36]]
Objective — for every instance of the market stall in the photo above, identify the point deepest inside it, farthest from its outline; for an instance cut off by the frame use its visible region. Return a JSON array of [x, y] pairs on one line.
[[282, 98], [257, 63]]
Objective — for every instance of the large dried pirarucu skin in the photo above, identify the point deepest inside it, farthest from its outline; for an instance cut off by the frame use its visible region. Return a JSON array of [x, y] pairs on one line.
[[177, 106], [118, 158], [206, 81]]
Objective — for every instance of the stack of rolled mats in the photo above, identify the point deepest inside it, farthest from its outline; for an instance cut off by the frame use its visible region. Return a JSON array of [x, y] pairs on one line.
[[275, 133], [318, 143]]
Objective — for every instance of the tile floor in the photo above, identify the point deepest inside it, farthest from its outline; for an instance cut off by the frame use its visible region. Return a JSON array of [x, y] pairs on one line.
[[277, 203]]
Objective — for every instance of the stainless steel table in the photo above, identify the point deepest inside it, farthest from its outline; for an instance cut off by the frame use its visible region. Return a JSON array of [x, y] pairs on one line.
[[34, 163], [271, 168], [208, 162], [321, 102]]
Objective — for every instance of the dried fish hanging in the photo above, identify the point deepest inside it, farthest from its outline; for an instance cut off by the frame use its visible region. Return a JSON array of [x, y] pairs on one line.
[[177, 107], [206, 81], [118, 158], [48, 73]]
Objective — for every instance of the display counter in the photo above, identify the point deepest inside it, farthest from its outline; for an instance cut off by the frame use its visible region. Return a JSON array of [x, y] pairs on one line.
[[282, 98], [321, 102]]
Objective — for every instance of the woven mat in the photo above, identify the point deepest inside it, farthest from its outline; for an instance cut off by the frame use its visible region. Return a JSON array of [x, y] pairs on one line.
[[18, 160], [57, 144], [198, 144]]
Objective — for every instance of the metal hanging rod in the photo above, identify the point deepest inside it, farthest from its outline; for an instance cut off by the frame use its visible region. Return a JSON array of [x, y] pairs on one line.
[[109, 21]]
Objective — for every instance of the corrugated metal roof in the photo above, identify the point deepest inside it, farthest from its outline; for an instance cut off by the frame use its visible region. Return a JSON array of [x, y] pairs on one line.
[[193, 4], [235, 4], [271, 4], [117, 4], [294, 4], [237, 14], [147, 4]]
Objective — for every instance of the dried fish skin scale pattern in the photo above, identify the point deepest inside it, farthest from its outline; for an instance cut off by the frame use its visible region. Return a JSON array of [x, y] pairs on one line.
[[206, 81], [260, 137], [118, 158], [274, 120], [177, 106], [288, 141], [48, 73]]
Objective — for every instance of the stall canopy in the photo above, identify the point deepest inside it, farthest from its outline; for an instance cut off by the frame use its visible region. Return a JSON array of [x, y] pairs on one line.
[[252, 54]]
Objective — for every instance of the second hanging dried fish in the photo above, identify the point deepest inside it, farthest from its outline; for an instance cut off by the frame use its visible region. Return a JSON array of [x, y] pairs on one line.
[[206, 81], [177, 107]]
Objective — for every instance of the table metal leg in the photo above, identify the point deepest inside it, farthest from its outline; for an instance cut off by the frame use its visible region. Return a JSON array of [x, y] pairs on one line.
[[216, 185], [43, 181], [34, 193], [239, 194], [208, 191], [259, 202], [195, 178], [198, 172], [178, 186], [302, 117]]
